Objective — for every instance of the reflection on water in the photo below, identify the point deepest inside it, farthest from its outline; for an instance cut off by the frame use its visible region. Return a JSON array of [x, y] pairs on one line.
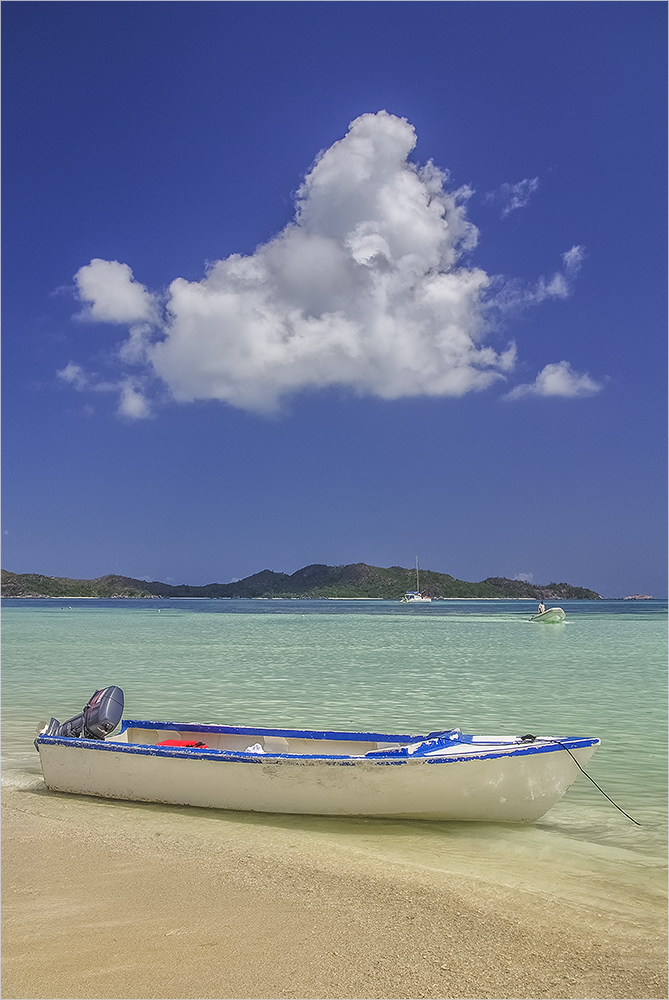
[[382, 666]]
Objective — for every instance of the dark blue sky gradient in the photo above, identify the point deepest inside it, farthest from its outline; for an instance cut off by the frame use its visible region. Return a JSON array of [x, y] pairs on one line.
[[168, 135]]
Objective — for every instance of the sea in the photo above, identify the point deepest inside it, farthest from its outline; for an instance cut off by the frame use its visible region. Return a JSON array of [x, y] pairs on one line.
[[383, 666]]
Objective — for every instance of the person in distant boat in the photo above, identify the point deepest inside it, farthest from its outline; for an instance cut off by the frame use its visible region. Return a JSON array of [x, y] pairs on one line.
[[542, 608]]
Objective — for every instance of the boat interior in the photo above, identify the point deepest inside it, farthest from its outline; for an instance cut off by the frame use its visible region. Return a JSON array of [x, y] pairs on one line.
[[250, 742], [300, 744]]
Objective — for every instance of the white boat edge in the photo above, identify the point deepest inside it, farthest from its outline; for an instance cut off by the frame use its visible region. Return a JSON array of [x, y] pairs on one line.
[[486, 779]]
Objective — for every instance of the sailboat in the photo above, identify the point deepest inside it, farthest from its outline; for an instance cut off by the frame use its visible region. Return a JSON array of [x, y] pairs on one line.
[[415, 596]]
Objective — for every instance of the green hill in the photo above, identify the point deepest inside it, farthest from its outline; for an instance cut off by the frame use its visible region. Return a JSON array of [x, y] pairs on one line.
[[355, 580]]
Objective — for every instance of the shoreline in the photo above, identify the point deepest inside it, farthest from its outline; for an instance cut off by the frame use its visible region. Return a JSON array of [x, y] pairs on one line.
[[390, 600], [130, 900]]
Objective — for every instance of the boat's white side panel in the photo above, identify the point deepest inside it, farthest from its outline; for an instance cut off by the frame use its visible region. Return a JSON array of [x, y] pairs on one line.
[[518, 788]]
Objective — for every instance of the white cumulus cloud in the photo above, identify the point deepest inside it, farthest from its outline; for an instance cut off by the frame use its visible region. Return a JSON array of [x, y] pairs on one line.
[[557, 379], [111, 295], [369, 288]]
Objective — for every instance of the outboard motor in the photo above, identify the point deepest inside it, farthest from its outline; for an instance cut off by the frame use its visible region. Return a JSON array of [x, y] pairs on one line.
[[101, 715]]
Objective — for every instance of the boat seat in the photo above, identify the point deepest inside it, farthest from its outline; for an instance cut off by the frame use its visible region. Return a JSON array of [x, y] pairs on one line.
[[275, 744]]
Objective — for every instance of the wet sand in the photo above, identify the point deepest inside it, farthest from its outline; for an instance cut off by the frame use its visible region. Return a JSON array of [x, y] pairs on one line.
[[133, 901]]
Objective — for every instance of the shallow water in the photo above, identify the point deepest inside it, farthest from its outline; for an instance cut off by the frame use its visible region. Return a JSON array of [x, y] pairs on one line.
[[378, 665]]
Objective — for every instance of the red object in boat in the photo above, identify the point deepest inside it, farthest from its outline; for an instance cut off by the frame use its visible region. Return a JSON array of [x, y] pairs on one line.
[[180, 743]]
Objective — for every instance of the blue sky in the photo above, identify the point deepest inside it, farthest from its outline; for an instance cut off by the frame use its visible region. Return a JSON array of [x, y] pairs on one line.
[[287, 283]]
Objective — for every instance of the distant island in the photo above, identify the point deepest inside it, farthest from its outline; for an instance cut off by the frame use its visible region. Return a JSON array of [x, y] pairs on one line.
[[317, 581]]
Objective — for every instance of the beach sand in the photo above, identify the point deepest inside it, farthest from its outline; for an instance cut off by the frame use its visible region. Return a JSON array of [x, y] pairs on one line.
[[136, 901]]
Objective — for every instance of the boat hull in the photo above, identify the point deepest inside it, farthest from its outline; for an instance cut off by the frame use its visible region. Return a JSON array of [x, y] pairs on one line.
[[514, 787]]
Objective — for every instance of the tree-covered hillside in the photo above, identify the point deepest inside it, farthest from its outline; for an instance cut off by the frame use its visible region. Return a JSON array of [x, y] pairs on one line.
[[355, 580]]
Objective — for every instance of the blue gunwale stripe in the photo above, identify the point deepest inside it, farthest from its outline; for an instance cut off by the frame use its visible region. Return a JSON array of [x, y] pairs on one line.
[[314, 734]]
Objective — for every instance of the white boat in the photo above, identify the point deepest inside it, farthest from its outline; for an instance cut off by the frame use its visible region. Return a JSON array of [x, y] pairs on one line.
[[442, 776], [416, 596], [550, 615]]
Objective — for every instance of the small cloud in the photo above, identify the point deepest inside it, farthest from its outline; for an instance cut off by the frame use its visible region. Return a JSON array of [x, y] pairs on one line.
[[573, 259], [111, 295], [557, 379], [513, 295], [74, 375], [525, 577], [133, 404], [513, 196], [559, 285], [6, 531]]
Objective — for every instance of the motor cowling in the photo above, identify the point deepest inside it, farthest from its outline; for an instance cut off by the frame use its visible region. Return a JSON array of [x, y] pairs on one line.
[[99, 718]]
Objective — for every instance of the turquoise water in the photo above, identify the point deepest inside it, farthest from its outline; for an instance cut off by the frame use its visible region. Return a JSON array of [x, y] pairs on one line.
[[378, 665]]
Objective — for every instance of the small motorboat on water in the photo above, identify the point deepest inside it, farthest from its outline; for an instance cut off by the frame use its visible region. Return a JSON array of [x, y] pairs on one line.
[[446, 775], [551, 616]]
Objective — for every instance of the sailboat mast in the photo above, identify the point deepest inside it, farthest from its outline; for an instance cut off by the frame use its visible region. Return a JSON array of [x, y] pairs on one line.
[[417, 579]]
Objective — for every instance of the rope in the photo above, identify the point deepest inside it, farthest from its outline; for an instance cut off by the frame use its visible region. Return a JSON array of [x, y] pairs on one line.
[[533, 739]]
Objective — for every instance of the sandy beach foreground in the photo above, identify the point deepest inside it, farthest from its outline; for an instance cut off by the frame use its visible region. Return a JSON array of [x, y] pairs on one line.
[[131, 901]]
